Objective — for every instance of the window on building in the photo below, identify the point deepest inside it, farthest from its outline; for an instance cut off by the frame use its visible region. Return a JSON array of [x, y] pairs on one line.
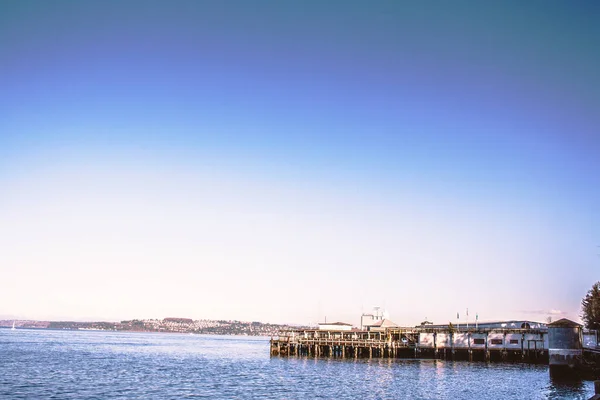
[[514, 341], [478, 341], [496, 341]]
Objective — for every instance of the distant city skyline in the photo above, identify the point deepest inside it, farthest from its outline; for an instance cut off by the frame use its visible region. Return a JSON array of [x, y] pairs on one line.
[[282, 162]]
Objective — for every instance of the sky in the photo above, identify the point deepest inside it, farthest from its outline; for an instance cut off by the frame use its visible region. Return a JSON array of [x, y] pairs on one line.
[[288, 162]]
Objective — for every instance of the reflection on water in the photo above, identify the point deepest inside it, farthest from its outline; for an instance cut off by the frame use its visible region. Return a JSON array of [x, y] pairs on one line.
[[560, 389], [74, 365]]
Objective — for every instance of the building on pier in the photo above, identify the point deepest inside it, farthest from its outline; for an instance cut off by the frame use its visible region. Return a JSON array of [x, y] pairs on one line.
[[566, 346], [380, 325], [369, 319], [334, 326]]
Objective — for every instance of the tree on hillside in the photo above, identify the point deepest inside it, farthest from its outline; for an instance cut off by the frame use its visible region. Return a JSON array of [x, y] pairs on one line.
[[590, 307]]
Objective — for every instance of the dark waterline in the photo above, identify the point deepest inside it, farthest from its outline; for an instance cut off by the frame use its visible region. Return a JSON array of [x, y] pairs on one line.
[[106, 365]]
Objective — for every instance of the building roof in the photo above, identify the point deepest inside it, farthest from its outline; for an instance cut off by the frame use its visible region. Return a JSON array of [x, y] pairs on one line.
[[563, 322], [510, 324], [335, 323], [384, 323]]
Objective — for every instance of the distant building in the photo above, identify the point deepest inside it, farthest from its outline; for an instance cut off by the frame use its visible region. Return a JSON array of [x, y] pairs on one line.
[[179, 320], [335, 326]]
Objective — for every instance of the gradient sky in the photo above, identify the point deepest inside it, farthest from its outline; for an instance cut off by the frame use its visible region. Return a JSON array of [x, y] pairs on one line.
[[290, 161]]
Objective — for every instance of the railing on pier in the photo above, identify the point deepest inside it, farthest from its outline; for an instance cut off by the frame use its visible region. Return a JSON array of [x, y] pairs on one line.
[[336, 342]]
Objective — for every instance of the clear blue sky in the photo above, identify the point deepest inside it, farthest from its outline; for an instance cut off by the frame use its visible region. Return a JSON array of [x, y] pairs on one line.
[[287, 161]]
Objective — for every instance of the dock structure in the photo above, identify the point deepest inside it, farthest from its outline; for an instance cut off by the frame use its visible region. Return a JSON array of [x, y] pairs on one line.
[[526, 345], [565, 346]]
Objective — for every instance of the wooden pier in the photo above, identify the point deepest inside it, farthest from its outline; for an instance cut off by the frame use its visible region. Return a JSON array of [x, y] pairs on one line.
[[523, 345], [564, 345]]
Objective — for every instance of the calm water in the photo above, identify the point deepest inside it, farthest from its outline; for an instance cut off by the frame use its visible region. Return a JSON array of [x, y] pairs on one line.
[[105, 365]]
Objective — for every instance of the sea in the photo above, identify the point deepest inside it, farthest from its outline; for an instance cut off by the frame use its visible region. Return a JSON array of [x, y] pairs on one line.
[[53, 364]]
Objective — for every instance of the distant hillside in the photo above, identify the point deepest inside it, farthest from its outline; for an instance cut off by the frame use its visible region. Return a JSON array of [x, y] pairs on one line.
[[182, 325]]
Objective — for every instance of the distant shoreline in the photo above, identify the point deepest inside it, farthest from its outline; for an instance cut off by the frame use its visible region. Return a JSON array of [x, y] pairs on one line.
[[166, 325], [126, 331]]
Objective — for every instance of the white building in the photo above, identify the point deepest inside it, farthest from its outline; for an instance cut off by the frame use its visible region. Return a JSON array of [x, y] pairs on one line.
[[374, 318], [335, 326]]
